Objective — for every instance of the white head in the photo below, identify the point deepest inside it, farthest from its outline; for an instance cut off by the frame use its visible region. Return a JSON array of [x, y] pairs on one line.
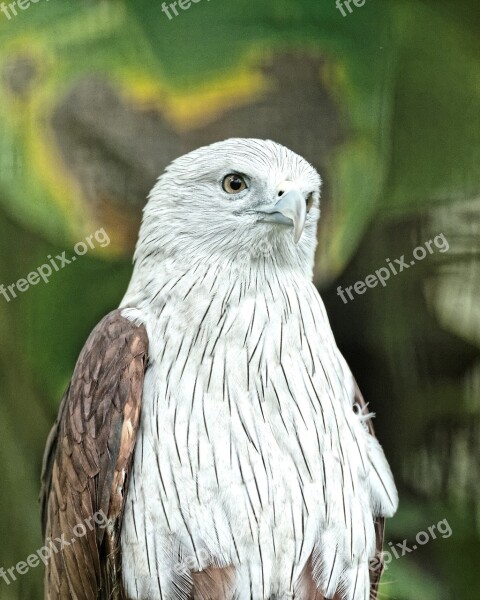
[[233, 198]]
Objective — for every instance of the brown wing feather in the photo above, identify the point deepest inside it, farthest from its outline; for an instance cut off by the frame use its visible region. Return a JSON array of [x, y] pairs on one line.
[[87, 461]]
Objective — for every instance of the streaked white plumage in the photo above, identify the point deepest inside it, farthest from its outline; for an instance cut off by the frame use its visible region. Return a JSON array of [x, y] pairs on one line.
[[249, 453]]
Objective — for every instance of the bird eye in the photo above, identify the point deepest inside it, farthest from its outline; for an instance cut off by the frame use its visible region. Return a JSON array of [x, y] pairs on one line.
[[234, 184], [309, 202]]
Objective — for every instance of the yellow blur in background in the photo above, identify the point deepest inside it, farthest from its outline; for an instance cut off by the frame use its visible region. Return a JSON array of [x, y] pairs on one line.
[[96, 98]]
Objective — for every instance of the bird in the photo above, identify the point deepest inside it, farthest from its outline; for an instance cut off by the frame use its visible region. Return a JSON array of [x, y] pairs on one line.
[[211, 418]]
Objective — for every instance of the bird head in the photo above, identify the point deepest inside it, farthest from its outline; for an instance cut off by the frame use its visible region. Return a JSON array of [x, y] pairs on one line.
[[240, 197]]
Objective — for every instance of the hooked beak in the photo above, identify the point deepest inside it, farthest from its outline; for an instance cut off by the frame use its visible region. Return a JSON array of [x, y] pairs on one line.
[[290, 209]]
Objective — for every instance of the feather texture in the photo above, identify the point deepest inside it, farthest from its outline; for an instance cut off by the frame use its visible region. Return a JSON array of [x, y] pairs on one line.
[[249, 454], [87, 461], [256, 473]]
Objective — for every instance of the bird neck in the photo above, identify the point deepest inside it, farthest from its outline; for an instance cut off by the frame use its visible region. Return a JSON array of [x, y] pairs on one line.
[[154, 281]]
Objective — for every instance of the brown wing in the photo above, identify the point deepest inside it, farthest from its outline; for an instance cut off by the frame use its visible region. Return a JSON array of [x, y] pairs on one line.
[[87, 462], [307, 584]]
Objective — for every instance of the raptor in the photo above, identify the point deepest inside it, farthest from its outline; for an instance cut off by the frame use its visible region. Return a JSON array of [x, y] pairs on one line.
[[211, 417]]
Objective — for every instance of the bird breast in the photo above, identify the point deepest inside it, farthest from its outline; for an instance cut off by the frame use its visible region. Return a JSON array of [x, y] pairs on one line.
[[249, 453]]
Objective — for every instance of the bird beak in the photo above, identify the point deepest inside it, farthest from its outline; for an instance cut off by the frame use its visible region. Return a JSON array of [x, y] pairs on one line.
[[291, 208]]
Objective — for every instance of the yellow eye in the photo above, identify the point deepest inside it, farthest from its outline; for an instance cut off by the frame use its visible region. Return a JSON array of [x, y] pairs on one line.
[[234, 184]]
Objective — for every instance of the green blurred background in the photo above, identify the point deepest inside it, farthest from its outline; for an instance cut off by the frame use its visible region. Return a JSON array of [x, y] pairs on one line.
[[96, 98]]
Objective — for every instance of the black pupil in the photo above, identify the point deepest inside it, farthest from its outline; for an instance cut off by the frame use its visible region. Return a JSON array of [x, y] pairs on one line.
[[235, 183]]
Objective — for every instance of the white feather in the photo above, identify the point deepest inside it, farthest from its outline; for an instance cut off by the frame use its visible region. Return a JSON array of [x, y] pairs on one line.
[[249, 453]]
